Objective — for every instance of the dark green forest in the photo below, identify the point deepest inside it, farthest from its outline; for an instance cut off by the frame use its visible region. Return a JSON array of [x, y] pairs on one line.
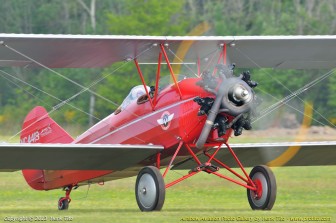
[[23, 88]]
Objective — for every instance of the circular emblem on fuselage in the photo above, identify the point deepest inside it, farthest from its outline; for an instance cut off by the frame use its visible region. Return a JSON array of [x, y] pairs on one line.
[[165, 120]]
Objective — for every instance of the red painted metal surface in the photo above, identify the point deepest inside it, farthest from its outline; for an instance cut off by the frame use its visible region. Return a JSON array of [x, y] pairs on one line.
[[173, 158], [206, 168], [224, 54], [181, 179], [170, 69], [143, 82], [38, 127], [228, 168], [235, 181], [67, 196], [157, 79], [158, 160], [138, 124], [240, 165], [259, 190], [214, 154], [193, 155]]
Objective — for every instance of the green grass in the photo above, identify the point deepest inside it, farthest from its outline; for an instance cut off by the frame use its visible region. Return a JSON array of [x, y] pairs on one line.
[[302, 192]]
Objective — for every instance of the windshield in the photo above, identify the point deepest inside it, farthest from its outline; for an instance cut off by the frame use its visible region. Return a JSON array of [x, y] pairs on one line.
[[139, 90], [133, 95]]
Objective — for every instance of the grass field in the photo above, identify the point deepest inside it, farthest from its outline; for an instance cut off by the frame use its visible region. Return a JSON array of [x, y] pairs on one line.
[[302, 192]]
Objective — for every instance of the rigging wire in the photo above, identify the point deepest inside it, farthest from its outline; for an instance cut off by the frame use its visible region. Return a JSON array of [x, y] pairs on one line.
[[293, 95], [117, 105], [310, 84], [187, 66], [284, 100], [217, 52], [278, 105], [84, 89], [44, 92], [26, 92], [57, 73], [62, 103], [17, 85]]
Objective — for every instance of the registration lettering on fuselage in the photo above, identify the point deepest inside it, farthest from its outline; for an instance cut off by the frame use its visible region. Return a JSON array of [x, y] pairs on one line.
[[36, 136]]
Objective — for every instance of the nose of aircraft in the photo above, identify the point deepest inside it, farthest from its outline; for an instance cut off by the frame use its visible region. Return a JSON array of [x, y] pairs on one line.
[[240, 93], [235, 97]]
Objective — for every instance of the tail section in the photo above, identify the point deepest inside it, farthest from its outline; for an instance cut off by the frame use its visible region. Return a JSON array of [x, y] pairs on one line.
[[38, 127]]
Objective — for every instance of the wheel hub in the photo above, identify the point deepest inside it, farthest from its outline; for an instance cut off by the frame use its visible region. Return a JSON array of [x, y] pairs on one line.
[[258, 192], [147, 190]]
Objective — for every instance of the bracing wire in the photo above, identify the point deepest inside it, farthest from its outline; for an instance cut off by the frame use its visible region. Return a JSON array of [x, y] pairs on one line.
[[17, 85], [187, 66], [278, 105], [84, 89], [42, 91], [57, 73], [292, 94]]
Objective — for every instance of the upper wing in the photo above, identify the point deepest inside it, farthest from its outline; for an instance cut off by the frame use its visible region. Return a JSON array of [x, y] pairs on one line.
[[73, 156], [59, 51], [274, 154]]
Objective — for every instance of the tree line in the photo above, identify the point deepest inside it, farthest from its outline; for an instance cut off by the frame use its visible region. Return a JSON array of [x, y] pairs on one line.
[[153, 17]]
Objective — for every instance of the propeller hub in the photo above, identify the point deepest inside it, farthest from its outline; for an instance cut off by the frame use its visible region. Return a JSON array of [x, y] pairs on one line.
[[240, 93]]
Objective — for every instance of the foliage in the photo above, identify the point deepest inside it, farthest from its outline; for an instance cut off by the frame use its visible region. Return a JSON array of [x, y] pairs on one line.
[[152, 17], [134, 18]]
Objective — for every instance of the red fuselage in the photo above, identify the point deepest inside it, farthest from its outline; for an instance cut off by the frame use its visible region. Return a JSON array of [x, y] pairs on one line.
[[172, 120]]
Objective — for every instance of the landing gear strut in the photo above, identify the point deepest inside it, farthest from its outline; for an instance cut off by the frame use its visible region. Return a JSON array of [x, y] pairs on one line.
[[260, 183], [63, 202]]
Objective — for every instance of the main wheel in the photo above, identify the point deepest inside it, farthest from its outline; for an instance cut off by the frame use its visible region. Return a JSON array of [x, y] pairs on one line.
[[63, 204], [264, 197], [150, 189]]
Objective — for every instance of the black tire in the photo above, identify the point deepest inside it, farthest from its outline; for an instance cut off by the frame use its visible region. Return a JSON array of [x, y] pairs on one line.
[[266, 179], [150, 189], [63, 204]]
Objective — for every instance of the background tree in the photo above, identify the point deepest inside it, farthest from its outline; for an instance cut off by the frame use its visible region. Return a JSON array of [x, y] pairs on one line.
[[163, 18], [153, 17]]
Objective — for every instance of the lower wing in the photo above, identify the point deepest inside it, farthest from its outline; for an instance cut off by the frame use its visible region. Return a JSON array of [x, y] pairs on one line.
[[274, 154], [73, 156]]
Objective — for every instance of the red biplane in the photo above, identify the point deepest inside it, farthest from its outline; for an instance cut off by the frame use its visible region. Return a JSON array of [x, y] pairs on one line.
[[183, 125]]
